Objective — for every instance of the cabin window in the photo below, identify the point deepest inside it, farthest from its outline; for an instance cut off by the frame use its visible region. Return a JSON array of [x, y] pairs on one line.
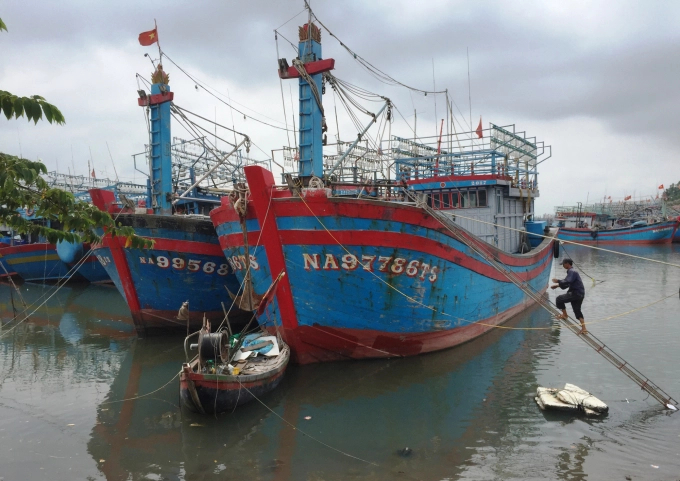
[[473, 198], [464, 200], [454, 200], [429, 200], [481, 198], [499, 202], [446, 200], [437, 204]]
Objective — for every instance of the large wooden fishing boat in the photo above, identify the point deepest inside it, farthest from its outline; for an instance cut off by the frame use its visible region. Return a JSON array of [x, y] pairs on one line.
[[378, 268], [186, 261]]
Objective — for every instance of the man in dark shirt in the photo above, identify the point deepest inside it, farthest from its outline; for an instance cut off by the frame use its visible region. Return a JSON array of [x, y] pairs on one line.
[[574, 295]]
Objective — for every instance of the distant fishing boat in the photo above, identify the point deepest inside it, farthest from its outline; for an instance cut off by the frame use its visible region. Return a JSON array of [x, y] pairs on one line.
[[636, 233], [44, 262], [380, 268], [37, 262], [615, 223], [5, 269]]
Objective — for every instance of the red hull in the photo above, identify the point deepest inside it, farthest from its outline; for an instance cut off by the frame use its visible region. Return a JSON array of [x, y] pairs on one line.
[[323, 344]]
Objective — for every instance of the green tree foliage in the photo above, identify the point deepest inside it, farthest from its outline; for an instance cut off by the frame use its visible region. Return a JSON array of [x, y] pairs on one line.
[[32, 107], [22, 187], [673, 193]]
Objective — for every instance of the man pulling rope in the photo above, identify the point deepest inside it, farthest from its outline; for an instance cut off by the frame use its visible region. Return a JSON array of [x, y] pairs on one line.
[[574, 295]]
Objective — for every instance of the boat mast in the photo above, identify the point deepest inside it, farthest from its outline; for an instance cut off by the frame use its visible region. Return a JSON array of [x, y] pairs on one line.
[[309, 68], [311, 123], [160, 160]]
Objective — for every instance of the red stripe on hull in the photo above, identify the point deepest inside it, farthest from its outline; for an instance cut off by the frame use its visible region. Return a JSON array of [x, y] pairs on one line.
[[371, 210], [119, 259], [390, 240], [283, 208], [24, 248], [322, 344], [222, 385], [407, 241]]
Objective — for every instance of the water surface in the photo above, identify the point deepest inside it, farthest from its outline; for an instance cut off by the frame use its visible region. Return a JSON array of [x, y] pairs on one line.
[[81, 397]]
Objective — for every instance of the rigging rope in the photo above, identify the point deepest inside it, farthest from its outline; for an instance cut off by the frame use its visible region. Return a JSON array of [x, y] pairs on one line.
[[65, 279], [295, 428], [221, 100], [376, 72], [481, 250]]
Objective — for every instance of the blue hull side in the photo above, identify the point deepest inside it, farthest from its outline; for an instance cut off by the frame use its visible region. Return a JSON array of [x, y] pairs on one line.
[[370, 287], [93, 271], [37, 263], [185, 264]]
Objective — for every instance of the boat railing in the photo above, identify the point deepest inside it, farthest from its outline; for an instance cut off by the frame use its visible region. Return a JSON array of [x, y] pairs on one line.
[[500, 152]]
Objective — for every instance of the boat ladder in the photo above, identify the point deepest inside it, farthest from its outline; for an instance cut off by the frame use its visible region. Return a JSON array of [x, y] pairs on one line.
[[482, 249]]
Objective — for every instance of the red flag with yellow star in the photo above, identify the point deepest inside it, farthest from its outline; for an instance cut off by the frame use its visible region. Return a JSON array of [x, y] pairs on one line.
[[148, 38]]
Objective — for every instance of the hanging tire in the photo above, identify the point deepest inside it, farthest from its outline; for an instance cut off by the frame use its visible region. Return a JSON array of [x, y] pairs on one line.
[[556, 249]]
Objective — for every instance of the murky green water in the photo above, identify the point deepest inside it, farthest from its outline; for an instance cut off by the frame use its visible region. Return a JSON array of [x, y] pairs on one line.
[[467, 413]]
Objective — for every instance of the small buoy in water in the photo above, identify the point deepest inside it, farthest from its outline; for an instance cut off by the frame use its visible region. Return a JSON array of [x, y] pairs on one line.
[[671, 407], [405, 452]]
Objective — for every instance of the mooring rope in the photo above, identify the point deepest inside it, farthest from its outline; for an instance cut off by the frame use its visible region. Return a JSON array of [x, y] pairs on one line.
[[73, 271], [295, 428], [434, 309], [562, 241]]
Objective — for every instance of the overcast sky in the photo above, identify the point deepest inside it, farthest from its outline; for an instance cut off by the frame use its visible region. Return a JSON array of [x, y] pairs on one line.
[[598, 81]]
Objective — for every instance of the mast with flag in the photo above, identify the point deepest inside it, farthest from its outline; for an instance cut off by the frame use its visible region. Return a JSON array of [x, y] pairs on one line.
[[160, 180]]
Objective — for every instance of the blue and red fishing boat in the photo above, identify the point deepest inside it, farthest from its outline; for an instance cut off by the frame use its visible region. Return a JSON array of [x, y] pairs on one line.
[[381, 268], [636, 233], [5, 270], [185, 262], [37, 262]]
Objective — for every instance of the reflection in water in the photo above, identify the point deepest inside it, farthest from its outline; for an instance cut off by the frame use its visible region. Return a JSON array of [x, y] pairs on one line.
[[75, 381], [369, 409]]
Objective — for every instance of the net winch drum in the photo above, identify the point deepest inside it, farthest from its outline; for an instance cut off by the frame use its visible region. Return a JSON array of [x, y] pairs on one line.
[[213, 346]]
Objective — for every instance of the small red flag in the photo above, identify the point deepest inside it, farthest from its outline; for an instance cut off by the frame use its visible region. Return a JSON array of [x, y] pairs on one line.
[[479, 131], [661, 186], [269, 295], [627, 197], [92, 174], [148, 38]]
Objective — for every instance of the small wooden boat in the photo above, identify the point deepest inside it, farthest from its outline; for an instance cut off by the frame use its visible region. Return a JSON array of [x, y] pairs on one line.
[[211, 384]]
